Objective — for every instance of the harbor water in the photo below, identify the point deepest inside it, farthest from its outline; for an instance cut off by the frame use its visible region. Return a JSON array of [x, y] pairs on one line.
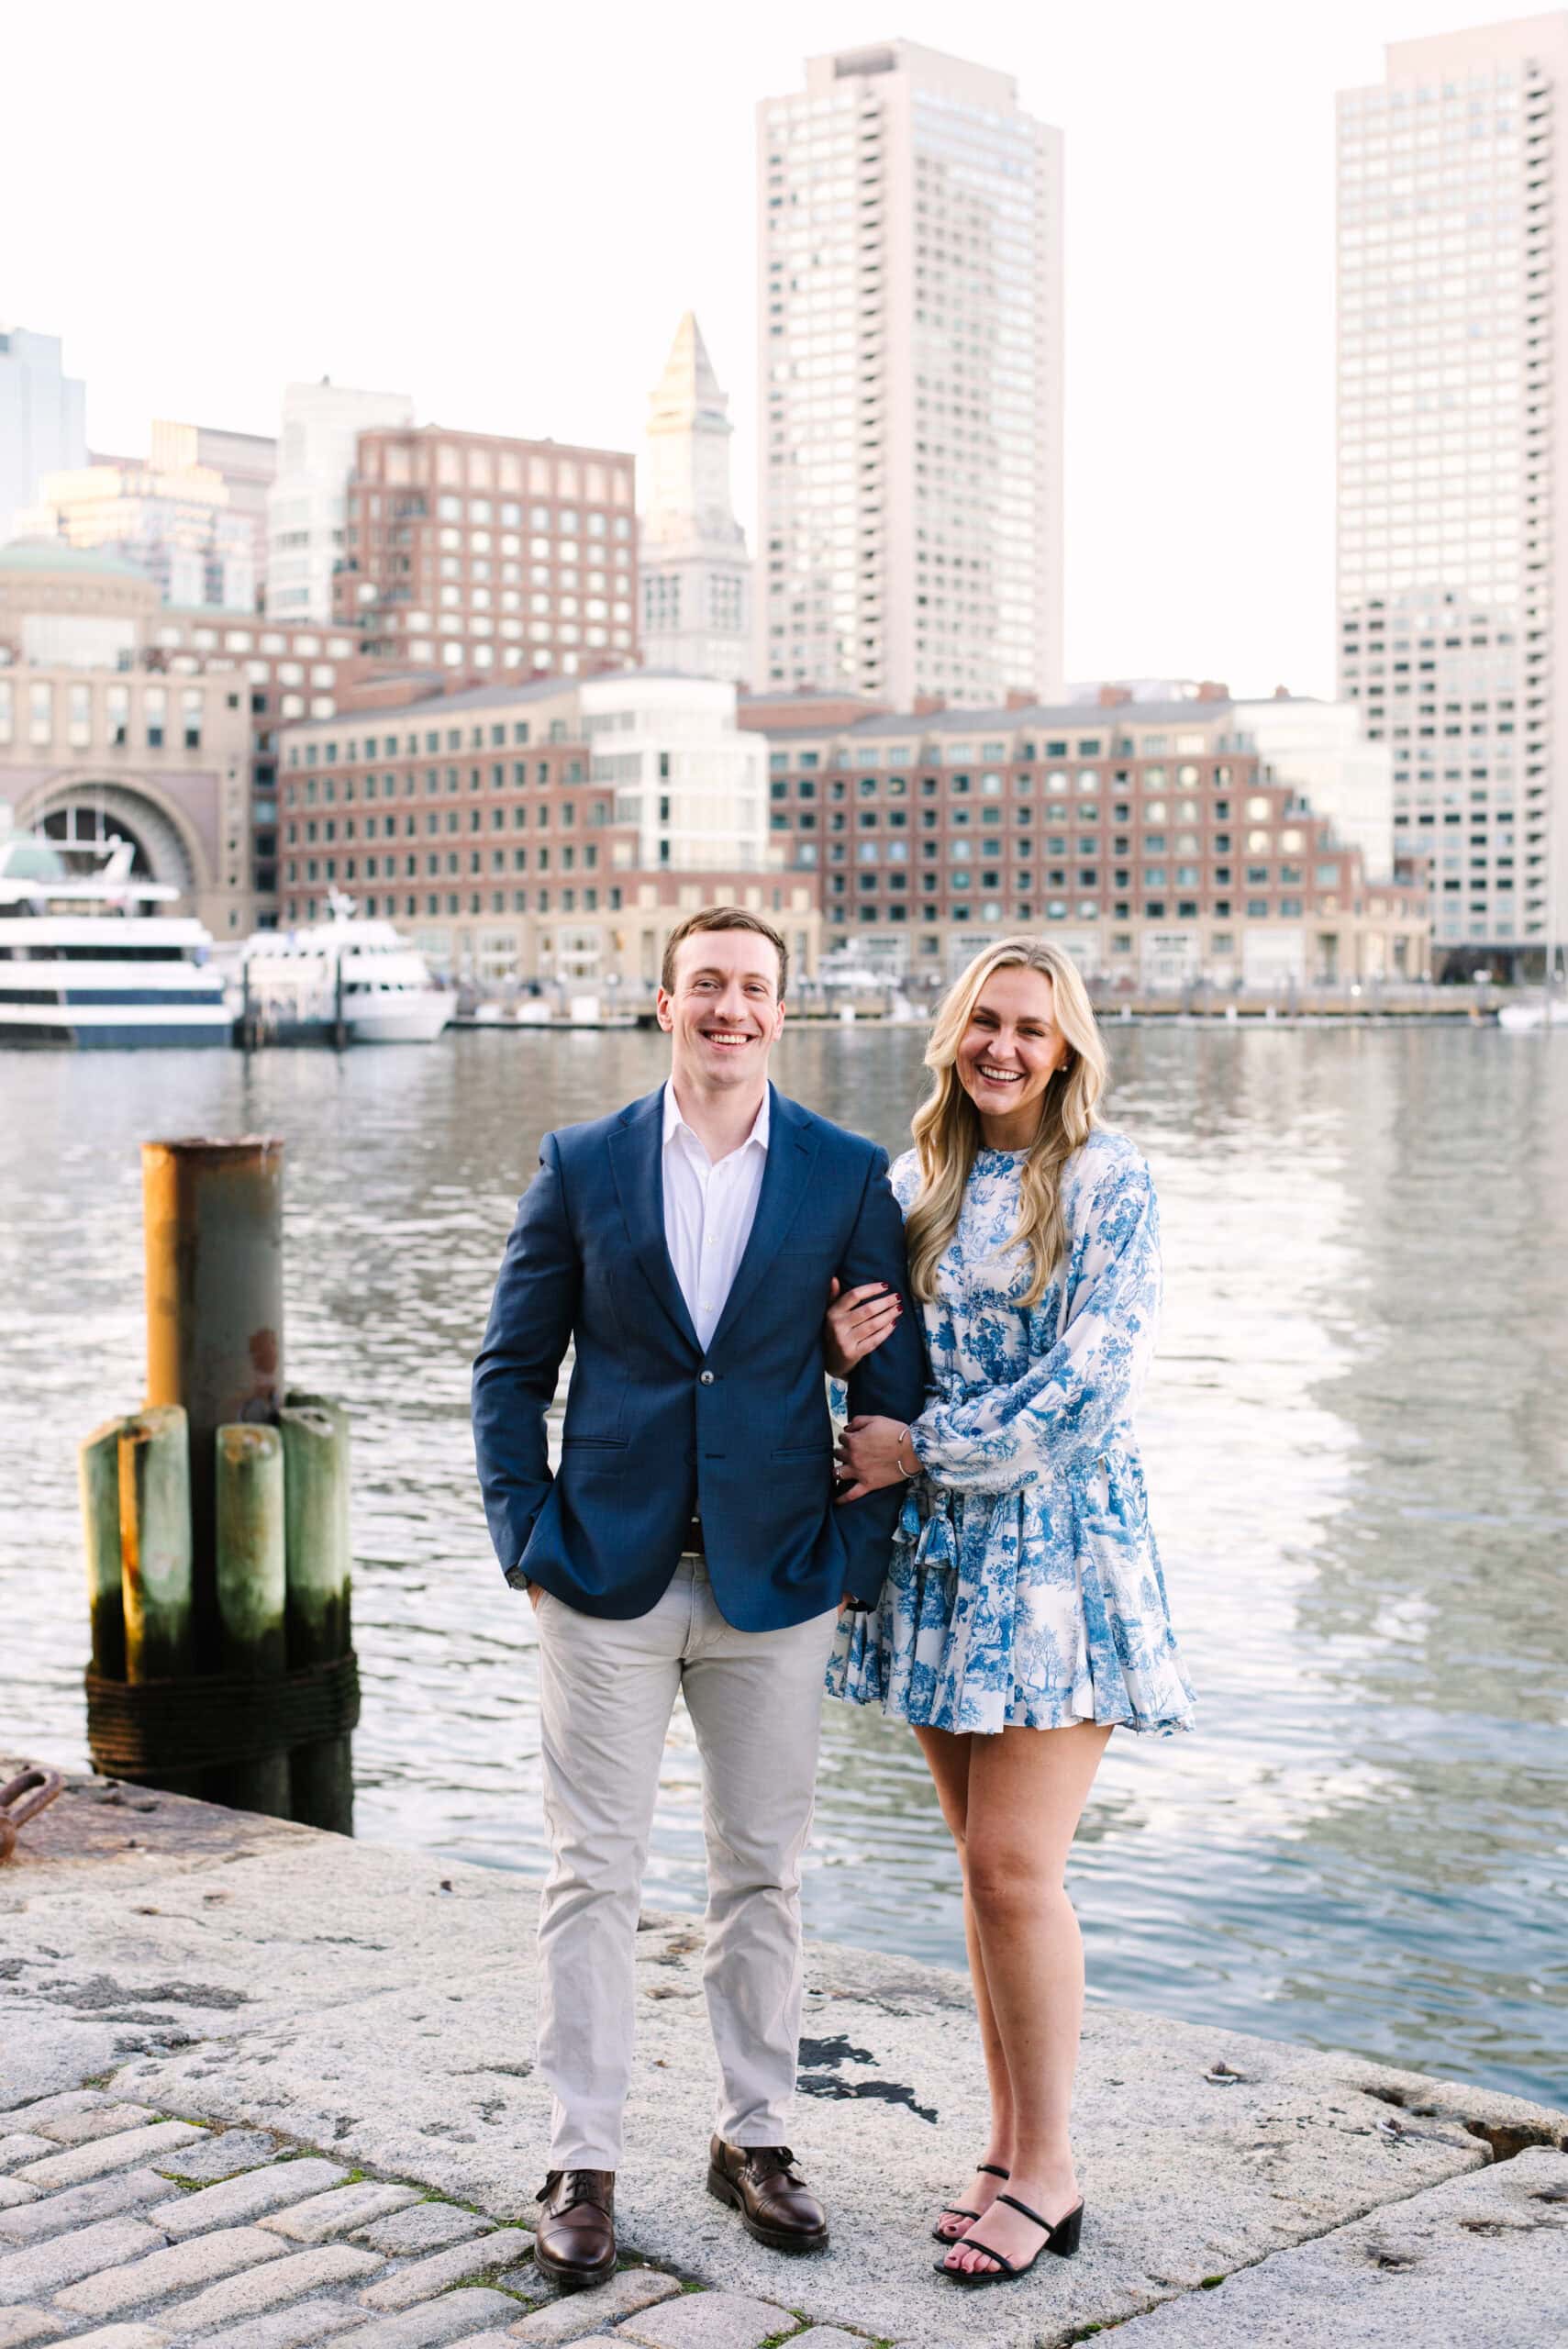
[[1356, 1440]]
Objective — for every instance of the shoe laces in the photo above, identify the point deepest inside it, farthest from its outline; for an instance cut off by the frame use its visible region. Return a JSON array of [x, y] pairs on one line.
[[577, 2186]]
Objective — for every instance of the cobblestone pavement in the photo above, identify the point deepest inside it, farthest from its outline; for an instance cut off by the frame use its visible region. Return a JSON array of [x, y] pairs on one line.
[[126, 2228]]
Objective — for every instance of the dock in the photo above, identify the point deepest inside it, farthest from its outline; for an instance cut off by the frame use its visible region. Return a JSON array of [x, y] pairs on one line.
[[344, 2031], [1445, 1008]]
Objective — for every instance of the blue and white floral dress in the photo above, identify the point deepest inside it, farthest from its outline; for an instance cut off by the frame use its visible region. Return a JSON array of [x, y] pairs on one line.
[[1025, 1588]]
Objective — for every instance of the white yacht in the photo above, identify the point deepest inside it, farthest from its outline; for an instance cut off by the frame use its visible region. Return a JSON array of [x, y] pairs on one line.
[[347, 973], [1544, 1011], [87, 956]]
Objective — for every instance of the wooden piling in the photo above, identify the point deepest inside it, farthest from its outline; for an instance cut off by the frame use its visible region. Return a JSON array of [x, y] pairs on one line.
[[155, 1543], [155, 1556], [251, 1597], [98, 1474], [316, 1492]]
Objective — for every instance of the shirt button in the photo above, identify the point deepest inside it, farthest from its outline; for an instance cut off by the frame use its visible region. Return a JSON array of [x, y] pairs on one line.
[[705, 1378]]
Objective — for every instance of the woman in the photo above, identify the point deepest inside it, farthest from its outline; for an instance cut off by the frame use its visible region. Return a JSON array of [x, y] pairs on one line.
[[1024, 1614]]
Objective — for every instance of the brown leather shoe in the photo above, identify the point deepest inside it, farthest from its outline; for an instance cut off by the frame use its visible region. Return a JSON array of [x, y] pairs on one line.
[[575, 2242], [775, 2204]]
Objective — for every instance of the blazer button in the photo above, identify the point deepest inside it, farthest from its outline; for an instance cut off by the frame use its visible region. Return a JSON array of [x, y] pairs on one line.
[[705, 1378]]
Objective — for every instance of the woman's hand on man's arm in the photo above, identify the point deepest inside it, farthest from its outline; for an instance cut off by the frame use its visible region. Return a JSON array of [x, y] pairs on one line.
[[858, 1321]]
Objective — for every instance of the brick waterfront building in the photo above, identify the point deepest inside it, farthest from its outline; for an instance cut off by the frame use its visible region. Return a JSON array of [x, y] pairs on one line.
[[99, 740], [1151, 839], [470, 551], [286, 671], [549, 831]]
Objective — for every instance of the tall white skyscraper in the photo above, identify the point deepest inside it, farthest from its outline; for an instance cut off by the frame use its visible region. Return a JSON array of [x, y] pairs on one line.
[[695, 571], [316, 445], [1453, 402], [43, 426], [909, 382]]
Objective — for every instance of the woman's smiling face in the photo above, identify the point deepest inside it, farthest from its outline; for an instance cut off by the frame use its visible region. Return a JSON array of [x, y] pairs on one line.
[[1010, 1053]]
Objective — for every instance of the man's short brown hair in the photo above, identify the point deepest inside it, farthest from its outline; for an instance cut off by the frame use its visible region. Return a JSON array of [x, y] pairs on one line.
[[721, 918]]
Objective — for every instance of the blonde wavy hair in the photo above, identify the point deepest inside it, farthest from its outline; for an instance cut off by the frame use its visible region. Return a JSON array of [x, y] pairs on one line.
[[946, 1126]]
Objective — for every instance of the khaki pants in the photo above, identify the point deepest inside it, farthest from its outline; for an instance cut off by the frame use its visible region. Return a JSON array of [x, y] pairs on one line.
[[606, 1692]]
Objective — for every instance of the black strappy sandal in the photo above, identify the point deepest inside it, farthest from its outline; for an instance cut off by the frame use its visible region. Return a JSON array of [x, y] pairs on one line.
[[951, 2210], [1061, 2238]]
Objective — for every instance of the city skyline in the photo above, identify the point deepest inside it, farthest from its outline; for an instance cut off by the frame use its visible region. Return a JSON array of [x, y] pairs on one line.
[[1200, 512]]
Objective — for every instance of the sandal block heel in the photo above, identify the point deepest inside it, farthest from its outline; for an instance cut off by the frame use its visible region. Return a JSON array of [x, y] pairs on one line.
[[1066, 2234]]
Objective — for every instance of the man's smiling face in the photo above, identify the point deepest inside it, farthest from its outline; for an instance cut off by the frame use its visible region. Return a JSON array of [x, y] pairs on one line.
[[725, 1014]]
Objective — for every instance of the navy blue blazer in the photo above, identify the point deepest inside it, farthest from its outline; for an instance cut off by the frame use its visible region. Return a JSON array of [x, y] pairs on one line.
[[656, 1427]]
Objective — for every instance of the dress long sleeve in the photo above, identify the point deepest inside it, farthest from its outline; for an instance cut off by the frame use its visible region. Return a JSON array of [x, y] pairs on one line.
[[1058, 1412]]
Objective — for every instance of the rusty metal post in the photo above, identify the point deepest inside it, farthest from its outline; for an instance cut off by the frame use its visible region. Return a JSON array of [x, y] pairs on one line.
[[215, 1312]]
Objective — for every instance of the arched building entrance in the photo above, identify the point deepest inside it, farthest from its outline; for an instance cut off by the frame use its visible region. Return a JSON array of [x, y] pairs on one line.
[[85, 809]]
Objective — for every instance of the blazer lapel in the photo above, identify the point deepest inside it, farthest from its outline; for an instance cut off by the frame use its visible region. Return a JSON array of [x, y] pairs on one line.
[[637, 1161], [792, 1152]]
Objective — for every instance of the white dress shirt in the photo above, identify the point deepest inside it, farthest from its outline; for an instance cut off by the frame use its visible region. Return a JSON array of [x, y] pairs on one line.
[[710, 1211]]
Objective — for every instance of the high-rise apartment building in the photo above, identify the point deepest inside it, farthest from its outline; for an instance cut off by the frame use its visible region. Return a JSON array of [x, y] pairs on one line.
[[1452, 399], [43, 426], [909, 382], [474, 551], [696, 572], [320, 429]]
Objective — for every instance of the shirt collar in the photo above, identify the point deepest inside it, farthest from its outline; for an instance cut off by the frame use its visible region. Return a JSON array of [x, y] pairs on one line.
[[676, 1124]]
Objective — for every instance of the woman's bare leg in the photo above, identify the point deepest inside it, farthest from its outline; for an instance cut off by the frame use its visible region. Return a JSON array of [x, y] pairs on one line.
[[947, 1756], [1025, 1794]]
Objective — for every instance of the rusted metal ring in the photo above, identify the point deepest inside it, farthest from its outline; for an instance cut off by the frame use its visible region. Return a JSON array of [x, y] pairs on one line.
[[21, 1798]]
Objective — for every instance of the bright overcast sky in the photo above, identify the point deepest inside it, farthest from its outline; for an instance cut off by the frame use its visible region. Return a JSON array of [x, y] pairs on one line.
[[504, 211]]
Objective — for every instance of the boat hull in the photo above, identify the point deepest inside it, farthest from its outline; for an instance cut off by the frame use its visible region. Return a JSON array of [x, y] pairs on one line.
[[1523, 1017], [91, 1035], [419, 1020]]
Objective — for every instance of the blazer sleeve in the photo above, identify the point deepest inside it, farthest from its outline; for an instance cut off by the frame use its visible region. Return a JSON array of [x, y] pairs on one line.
[[515, 1372], [888, 1382], [1062, 1409]]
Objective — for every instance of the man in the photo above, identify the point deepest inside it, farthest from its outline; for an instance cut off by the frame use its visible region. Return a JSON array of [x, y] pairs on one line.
[[689, 1541]]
